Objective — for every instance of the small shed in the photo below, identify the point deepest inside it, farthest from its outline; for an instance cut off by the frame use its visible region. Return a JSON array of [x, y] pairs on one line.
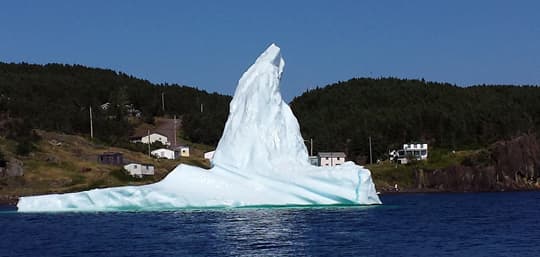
[[155, 137], [209, 155], [164, 153], [111, 158], [139, 170], [182, 151], [331, 158]]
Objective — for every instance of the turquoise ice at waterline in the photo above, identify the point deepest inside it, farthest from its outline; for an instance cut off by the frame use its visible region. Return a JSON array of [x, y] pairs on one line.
[[261, 160]]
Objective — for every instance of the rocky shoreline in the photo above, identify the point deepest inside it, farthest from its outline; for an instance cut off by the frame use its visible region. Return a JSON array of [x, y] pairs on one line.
[[8, 200]]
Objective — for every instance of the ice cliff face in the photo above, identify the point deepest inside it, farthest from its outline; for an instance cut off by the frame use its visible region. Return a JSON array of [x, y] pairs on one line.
[[261, 133], [260, 160]]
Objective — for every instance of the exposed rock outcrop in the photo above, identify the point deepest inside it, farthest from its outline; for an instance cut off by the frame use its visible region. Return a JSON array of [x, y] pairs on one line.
[[506, 165], [14, 168]]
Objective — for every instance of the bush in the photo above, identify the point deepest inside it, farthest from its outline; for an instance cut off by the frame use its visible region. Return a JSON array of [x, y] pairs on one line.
[[482, 158], [24, 148]]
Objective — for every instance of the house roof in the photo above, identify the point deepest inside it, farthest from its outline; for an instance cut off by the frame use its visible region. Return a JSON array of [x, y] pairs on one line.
[[332, 154], [163, 126], [110, 153], [162, 149], [142, 164], [155, 133]]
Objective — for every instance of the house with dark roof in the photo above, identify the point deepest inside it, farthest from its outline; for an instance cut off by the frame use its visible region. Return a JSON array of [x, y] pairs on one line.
[[111, 158], [331, 158]]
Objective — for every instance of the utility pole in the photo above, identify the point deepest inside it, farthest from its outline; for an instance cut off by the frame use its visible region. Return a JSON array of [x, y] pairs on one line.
[[311, 147], [148, 141], [370, 153], [163, 102], [202, 107], [174, 130], [91, 125]]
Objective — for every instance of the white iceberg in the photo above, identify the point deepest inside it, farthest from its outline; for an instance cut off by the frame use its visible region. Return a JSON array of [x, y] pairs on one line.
[[261, 160]]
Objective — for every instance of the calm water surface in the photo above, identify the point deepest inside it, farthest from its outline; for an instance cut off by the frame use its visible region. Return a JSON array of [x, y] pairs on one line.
[[480, 224]]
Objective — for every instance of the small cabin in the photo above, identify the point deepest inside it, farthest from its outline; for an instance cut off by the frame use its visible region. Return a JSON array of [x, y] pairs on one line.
[[139, 170], [155, 137], [331, 158], [417, 151], [409, 152], [150, 139], [111, 158], [209, 155], [182, 151], [164, 153]]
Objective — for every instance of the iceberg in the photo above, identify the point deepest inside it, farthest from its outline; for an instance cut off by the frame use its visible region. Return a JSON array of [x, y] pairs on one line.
[[261, 160]]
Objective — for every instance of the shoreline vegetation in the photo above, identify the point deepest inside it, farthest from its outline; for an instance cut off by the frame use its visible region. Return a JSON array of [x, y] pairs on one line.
[[483, 170]]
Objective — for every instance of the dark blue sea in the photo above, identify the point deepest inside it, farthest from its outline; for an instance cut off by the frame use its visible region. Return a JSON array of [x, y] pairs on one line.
[[471, 224]]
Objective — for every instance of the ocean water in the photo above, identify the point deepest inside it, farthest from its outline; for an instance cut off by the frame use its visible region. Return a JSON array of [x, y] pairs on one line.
[[469, 224]]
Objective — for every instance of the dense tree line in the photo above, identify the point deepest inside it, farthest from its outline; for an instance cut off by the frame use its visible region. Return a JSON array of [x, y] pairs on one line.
[[339, 117], [58, 97], [342, 116]]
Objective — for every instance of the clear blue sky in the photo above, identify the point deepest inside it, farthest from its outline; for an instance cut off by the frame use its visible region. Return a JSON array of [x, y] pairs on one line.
[[209, 44]]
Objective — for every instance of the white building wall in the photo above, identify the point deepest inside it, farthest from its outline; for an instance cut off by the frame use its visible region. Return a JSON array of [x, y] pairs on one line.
[[164, 153], [184, 151], [209, 155], [419, 150], [331, 161], [155, 137], [147, 170], [133, 169], [138, 170]]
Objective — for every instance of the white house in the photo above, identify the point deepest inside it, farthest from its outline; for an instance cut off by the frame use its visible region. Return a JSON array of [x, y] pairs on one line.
[[182, 151], [209, 155], [152, 138], [139, 170], [414, 151], [164, 153], [331, 158], [418, 151]]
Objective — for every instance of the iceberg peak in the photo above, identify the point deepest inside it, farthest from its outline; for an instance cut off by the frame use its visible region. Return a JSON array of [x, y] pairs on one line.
[[272, 55], [260, 124]]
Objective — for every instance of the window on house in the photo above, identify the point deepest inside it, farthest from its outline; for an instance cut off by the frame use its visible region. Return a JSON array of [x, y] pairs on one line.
[[338, 158]]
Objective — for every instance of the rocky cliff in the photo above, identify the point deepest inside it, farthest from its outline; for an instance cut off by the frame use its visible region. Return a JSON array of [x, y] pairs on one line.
[[505, 165]]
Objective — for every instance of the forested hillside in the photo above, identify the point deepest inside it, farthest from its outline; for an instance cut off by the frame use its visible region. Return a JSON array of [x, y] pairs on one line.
[[341, 116], [57, 97]]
